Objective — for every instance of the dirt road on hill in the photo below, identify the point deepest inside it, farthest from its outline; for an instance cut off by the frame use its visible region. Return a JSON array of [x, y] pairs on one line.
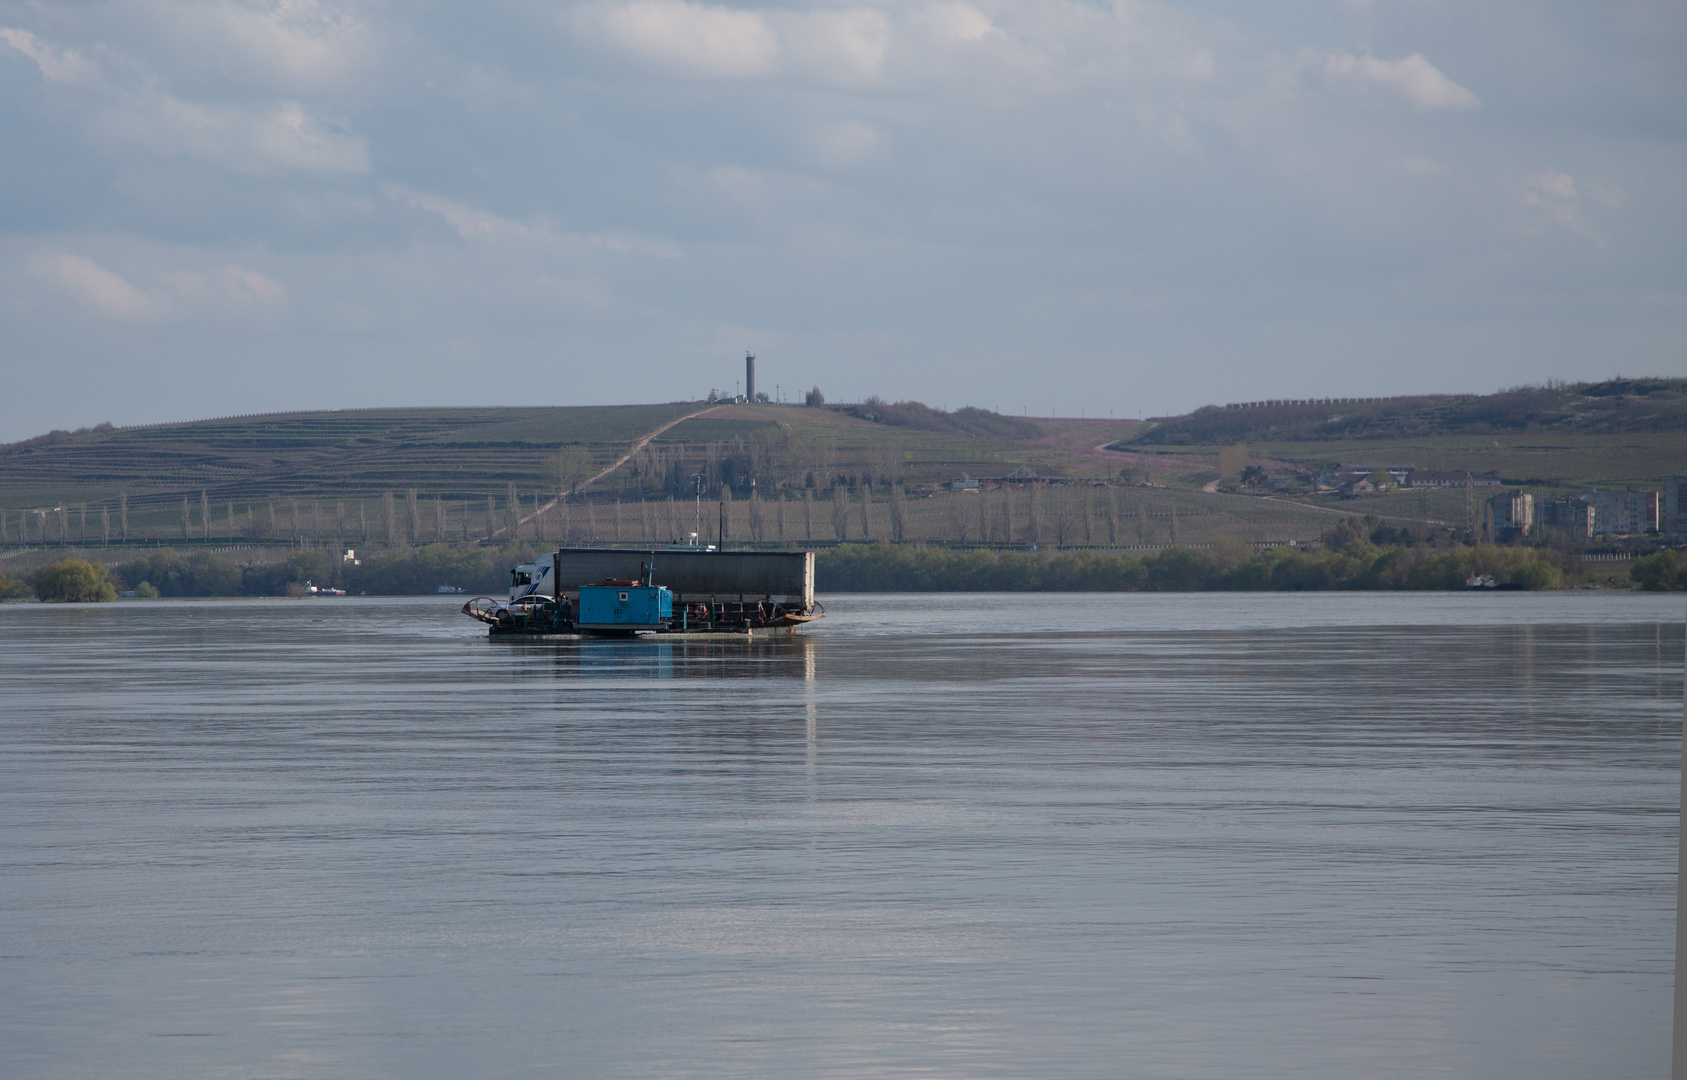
[[638, 444]]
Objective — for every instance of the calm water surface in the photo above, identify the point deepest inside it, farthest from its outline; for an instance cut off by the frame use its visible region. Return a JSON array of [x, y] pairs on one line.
[[978, 836]]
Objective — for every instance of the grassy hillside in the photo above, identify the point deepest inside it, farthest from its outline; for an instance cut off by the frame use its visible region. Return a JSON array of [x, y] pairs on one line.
[[1617, 406], [818, 475]]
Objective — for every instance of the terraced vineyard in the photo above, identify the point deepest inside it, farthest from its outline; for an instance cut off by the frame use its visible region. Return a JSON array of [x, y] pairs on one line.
[[818, 475]]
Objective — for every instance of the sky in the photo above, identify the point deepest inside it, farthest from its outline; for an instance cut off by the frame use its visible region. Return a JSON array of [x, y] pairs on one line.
[[1047, 206]]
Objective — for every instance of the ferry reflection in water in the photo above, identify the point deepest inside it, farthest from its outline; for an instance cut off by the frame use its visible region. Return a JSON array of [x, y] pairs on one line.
[[1086, 836]]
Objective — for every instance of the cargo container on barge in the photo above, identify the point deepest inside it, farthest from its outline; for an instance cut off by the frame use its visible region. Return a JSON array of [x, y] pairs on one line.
[[621, 592]]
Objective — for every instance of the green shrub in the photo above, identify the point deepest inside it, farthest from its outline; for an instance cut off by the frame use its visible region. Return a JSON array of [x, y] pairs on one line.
[[884, 567], [1665, 571], [1538, 574], [13, 589], [74, 581]]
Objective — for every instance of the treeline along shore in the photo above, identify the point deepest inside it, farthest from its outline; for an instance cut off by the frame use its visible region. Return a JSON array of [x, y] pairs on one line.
[[1348, 563]]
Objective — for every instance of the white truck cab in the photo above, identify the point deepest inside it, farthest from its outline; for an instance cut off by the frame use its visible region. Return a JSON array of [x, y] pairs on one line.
[[530, 578]]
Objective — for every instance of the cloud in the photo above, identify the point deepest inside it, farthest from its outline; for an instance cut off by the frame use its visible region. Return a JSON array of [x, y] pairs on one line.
[[302, 43], [93, 286], [846, 45], [850, 141], [57, 65], [227, 289], [706, 41], [473, 224], [959, 22], [236, 285], [1554, 193], [281, 138], [1556, 184], [691, 39], [470, 223], [1412, 77]]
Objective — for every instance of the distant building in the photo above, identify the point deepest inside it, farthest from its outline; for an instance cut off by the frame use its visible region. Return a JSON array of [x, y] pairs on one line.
[[1629, 513], [1514, 514], [962, 483], [1355, 481], [1399, 471], [1576, 516], [1425, 478], [1675, 506]]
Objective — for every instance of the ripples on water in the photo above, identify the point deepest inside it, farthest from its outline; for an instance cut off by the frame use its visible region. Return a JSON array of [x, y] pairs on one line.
[[1086, 836]]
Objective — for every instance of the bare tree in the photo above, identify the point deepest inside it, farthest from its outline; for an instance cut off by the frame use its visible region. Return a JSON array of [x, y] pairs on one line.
[[756, 527], [1064, 515], [1034, 526], [808, 514], [898, 516], [866, 509], [960, 516], [567, 468], [840, 512]]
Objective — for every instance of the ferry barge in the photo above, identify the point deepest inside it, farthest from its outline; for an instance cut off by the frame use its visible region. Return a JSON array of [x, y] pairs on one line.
[[625, 592]]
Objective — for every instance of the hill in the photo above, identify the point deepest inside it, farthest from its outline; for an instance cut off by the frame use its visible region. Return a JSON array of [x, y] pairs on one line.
[[1617, 406], [790, 474]]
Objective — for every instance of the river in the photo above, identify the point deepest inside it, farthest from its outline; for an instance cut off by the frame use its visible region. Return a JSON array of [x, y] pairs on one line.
[[1216, 835]]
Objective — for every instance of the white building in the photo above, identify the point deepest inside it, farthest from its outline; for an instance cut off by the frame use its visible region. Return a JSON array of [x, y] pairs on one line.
[[1628, 513]]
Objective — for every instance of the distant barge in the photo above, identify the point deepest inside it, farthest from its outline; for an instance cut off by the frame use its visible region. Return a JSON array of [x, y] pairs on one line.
[[624, 592]]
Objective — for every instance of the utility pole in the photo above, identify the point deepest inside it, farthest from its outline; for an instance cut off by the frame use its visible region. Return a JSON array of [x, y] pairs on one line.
[[1470, 506], [697, 481]]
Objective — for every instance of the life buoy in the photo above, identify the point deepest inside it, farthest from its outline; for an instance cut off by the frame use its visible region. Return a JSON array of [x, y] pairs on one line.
[[701, 611]]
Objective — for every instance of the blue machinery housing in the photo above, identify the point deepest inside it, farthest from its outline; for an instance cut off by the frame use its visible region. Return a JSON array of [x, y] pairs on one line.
[[627, 591], [625, 607]]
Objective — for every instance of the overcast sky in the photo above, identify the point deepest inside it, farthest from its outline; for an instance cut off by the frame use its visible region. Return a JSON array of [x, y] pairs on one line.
[[225, 207]]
